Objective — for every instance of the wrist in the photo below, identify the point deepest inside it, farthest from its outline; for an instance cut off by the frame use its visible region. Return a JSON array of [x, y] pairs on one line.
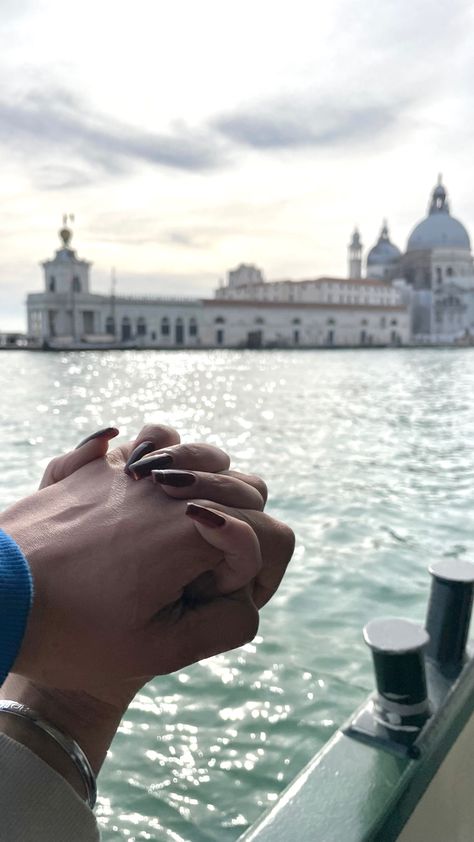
[[90, 722], [40, 743]]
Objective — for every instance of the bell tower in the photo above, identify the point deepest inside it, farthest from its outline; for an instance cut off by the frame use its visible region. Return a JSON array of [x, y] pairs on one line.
[[355, 256], [66, 273]]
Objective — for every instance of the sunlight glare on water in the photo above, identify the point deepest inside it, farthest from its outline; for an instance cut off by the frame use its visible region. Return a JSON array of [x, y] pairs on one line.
[[367, 454]]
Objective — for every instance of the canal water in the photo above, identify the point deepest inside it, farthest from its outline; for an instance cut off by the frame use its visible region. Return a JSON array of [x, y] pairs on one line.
[[368, 454]]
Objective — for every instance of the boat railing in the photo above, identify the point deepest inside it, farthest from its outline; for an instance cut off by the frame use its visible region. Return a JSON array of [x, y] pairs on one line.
[[402, 767]]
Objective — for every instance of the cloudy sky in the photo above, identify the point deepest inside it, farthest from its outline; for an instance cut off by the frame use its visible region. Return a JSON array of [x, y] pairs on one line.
[[189, 136]]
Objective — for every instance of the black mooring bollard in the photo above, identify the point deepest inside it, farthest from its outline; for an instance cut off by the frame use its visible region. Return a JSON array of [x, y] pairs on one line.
[[449, 613], [402, 705]]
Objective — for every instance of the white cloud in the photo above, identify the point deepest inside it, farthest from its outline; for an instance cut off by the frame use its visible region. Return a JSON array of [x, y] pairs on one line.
[[189, 136]]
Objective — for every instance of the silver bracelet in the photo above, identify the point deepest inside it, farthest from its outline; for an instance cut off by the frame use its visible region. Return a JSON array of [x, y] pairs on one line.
[[72, 749]]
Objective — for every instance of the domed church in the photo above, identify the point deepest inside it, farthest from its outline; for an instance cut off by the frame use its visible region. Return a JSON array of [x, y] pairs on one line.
[[383, 258], [435, 274]]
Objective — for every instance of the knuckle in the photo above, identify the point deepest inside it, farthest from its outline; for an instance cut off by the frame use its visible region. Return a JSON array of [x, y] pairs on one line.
[[250, 627], [191, 452], [287, 538], [254, 481], [223, 482], [55, 467], [262, 488], [259, 484], [160, 434]]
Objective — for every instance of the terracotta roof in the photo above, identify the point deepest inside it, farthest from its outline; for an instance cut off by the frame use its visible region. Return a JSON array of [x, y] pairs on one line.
[[299, 305]]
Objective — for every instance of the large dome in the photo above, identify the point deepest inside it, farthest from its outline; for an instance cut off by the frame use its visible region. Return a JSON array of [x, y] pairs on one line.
[[384, 252], [439, 229]]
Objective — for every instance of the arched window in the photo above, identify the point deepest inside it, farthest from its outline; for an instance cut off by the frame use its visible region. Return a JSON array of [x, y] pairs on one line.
[[449, 272], [52, 284], [393, 322], [331, 321], [219, 320], [296, 321], [141, 326], [193, 328], [165, 326], [76, 284], [364, 322], [110, 325], [259, 321]]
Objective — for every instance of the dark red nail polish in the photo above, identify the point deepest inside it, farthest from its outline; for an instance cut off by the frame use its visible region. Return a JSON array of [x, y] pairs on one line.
[[204, 516], [144, 467], [140, 450], [177, 479], [107, 432]]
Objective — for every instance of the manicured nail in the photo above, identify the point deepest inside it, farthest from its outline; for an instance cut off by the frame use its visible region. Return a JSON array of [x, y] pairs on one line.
[[146, 466], [204, 516], [140, 450], [107, 432], [177, 479]]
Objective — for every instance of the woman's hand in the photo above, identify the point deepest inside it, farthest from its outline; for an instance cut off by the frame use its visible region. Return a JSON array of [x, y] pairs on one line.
[[127, 587], [115, 562], [158, 442]]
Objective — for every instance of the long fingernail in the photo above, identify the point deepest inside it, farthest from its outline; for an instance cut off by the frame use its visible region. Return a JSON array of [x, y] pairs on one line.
[[107, 432], [204, 516], [177, 479], [140, 450], [146, 466]]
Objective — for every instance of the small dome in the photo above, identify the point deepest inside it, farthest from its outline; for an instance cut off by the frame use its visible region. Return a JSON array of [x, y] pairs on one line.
[[439, 229], [384, 252]]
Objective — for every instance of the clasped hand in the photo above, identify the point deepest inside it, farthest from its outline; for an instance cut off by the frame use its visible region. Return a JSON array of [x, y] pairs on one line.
[[127, 584]]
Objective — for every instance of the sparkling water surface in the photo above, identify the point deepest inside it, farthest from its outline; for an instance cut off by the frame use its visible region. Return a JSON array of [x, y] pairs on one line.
[[369, 455]]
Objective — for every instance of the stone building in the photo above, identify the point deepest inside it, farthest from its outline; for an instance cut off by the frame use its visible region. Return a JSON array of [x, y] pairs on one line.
[[248, 312], [435, 274]]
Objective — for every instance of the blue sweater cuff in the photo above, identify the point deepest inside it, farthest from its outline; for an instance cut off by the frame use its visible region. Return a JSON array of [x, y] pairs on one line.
[[16, 595]]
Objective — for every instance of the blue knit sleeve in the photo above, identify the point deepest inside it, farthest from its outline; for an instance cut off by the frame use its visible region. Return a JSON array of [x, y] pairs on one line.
[[16, 594]]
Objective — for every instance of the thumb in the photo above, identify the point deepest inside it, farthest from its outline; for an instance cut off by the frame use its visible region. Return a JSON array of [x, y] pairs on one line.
[[93, 447]]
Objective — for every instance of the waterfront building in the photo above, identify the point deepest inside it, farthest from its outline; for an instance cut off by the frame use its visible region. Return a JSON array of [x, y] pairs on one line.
[[248, 312], [425, 294], [435, 274], [433, 278]]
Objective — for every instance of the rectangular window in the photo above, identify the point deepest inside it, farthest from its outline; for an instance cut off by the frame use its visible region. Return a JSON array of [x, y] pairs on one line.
[[219, 336], [88, 321]]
